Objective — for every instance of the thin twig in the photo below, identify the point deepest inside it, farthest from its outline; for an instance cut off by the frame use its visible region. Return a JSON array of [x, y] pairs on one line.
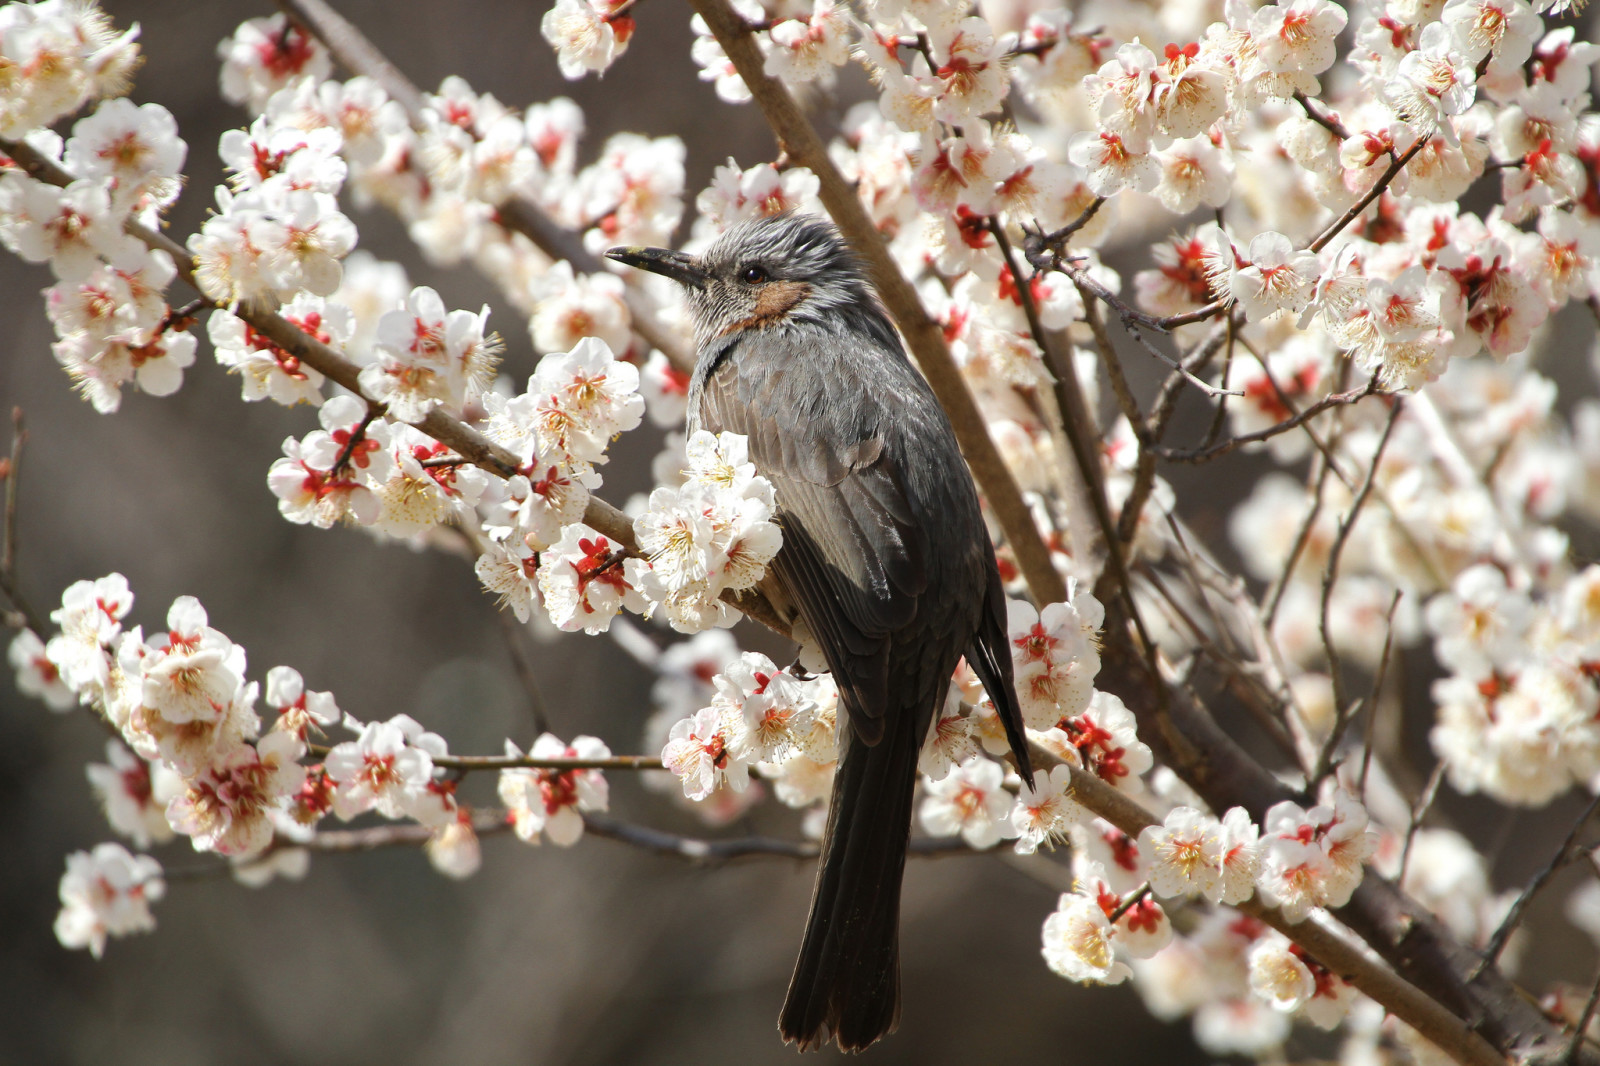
[[1128, 904], [1377, 190], [1513, 918], [1419, 811], [30, 618], [1377, 692], [516, 634], [1581, 1029], [1338, 399], [1329, 576], [1326, 121], [1132, 320]]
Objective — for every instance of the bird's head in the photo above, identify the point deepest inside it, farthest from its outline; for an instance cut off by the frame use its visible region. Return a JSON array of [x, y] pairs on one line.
[[768, 272]]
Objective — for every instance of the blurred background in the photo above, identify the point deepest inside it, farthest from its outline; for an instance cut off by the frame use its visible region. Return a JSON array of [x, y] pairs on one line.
[[599, 954]]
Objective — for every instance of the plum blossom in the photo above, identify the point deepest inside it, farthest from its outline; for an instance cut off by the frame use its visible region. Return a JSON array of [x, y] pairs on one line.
[[586, 36], [267, 371], [90, 617], [969, 801], [37, 676], [266, 54], [428, 358], [1297, 39], [134, 794], [950, 741], [1313, 858], [584, 580], [59, 57], [807, 49], [510, 570], [1273, 277], [735, 195], [72, 229], [578, 401], [1278, 975], [767, 712], [1185, 853], [713, 533], [106, 893], [135, 148], [1055, 655], [1433, 81], [970, 69], [699, 752], [1113, 161], [1046, 811], [332, 474], [389, 767], [225, 807], [569, 308], [300, 711], [551, 801]]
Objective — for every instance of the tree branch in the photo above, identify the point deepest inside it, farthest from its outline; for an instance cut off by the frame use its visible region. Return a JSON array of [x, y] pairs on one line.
[[22, 610], [1324, 942]]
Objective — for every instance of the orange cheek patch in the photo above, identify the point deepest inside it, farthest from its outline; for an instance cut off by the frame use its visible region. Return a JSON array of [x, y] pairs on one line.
[[775, 300]]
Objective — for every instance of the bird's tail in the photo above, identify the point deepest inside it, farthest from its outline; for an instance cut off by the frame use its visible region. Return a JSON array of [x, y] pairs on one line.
[[846, 982]]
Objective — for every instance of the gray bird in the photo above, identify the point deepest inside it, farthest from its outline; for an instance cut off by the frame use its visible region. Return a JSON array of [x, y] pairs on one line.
[[885, 560]]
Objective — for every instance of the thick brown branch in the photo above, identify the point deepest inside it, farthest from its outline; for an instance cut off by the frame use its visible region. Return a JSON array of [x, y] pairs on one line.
[[1326, 944], [1402, 931]]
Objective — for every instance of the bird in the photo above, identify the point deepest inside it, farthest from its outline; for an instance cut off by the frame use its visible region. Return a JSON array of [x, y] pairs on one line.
[[886, 563]]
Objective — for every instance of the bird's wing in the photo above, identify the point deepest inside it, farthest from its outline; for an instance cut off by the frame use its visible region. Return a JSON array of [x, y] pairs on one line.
[[854, 559]]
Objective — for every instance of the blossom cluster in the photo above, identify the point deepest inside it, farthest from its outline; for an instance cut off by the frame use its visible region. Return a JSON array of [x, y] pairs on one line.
[[195, 759], [1299, 860], [763, 717], [112, 322]]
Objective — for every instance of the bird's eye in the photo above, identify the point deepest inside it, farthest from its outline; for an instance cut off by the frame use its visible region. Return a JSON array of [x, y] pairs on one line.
[[752, 275]]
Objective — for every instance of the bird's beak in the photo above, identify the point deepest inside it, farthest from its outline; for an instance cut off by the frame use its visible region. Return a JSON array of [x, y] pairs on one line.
[[684, 269]]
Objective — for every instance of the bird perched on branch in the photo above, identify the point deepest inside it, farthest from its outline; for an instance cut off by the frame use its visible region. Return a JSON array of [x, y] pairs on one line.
[[885, 561]]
